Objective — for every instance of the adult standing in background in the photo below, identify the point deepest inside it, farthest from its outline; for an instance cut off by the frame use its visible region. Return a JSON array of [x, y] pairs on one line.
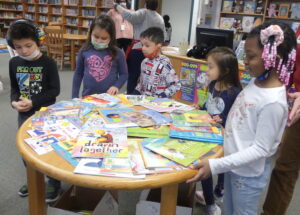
[[124, 29], [168, 27], [141, 20]]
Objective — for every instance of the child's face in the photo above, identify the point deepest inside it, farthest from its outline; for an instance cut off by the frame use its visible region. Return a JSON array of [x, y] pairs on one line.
[[213, 71], [254, 64], [25, 47], [100, 35], [149, 47]]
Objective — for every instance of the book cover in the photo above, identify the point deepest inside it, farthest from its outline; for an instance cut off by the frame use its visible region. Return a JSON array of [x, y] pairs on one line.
[[183, 152], [154, 160], [197, 136], [102, 142], [100, 100], [64, 149], [146, 118], [295, 14], [249, 6], [203, 129], [42, 144], [115, 118], [175, 107], [111, 167], [193, 118], [226, 23], [210, 154], [247, 23], [202, 83], [153, 131], [227, 6]]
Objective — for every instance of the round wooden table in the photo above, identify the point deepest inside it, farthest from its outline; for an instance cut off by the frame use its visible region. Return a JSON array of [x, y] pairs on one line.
[[53, 165]]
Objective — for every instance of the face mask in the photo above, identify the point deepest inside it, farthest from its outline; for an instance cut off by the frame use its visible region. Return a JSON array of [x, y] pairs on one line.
[[32, 56], [99, 46], [152, 55]]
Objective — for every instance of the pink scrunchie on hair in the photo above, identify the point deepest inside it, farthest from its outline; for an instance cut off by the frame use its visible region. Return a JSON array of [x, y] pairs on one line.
[[272, 30]]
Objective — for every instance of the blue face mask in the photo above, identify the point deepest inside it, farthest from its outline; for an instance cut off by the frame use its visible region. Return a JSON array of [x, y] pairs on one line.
[[99, 46]]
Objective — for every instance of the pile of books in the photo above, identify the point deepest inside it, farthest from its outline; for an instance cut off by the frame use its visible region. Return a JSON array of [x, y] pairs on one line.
[[92, 134]]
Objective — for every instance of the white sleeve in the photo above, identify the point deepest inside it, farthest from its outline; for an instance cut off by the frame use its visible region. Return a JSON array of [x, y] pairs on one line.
[[270, 127], [134, 17]]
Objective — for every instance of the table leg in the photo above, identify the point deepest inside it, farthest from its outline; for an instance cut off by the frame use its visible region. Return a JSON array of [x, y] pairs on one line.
[[36, 188], [168, 200], [73, 55]]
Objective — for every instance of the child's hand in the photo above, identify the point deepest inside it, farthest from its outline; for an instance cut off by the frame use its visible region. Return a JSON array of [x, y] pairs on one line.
[[196, 106], [295, 112], [27, 103], [217, 118], [20, 106], [203, 172], [112, 90]]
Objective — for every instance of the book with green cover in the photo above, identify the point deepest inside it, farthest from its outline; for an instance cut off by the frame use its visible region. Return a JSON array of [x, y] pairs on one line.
[[193, 118], [153, 131], [183, 152]]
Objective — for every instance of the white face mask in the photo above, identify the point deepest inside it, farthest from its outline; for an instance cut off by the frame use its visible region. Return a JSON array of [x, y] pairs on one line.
[[32, 56]]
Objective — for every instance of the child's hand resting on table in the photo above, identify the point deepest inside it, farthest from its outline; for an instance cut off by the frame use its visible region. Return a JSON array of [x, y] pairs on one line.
[[112, 90], [203, 171], [217, 118]]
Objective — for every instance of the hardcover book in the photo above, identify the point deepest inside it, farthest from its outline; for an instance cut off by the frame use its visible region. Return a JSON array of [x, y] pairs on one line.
[[226, 23], [183, 152], [153, 131], [227, 6], [114, 117], [247, 23]]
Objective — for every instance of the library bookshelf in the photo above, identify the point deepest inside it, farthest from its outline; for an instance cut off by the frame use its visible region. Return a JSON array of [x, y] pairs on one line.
[[75, 16]]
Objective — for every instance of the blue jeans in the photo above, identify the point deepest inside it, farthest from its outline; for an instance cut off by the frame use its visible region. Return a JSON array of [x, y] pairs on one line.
[[242, 194]]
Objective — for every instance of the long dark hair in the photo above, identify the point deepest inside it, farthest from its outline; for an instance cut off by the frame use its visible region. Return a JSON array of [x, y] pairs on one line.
[[227, 64], [106, 23]]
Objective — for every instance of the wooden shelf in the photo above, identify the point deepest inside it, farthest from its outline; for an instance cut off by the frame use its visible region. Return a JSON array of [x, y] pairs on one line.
[[243, 14]]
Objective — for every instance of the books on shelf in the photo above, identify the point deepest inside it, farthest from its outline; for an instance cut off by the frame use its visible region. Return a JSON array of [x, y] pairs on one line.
[[183, 152], [227, 6], [247, 23], [295, 10], [250, 6], [227, 23]]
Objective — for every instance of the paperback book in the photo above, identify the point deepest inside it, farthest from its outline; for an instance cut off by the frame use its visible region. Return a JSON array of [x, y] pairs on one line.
[[64, 149], [197, 136], [42, 144], [153, 131], [183, 152], [111, 167], [114, 117], [193, 118]]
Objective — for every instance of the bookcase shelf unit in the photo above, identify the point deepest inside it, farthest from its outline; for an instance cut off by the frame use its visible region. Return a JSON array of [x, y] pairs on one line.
[[75, 15], [228, 10]]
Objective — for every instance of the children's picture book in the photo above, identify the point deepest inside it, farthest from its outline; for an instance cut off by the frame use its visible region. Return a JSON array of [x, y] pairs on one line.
[[153, 160], [247, 23], [175, 107], [240, 52], [183, 152], [152, 131], [102, 142], [188, 73], [42, 144], [64, 149], [111, 167], [250, 6], [146, 118], [202, 83], [227, 23], [295, 10], [138, 99], [227, 6], [203, 129], [210, 154], [193, 118], [114, 117], [238, 6], [197, 136], [100, 100]]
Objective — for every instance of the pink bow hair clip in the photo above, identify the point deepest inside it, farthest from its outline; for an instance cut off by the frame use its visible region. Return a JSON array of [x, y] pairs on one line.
[[272, 30]]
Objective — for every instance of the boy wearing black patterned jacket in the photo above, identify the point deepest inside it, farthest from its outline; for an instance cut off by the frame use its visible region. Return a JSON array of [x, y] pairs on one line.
[[158, 78]]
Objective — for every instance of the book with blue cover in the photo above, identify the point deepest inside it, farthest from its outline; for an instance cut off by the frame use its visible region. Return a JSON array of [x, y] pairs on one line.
[[197, 136]]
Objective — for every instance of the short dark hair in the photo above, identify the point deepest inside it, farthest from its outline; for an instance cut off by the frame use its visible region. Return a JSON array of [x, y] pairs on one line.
[[151, 4], [22, 30], [154, 34]]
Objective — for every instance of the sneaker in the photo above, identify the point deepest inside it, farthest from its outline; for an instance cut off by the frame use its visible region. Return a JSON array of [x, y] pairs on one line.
[[213, 210], [23, 192], [218, 194], [52, 193], [200, 197]]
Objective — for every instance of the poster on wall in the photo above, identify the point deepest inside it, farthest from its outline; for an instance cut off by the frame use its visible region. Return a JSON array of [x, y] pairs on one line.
[[202, 83], [188, 73]]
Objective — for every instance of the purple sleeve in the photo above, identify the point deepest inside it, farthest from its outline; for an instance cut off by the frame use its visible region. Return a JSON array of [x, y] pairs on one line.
[[122, 69], [78, 75]]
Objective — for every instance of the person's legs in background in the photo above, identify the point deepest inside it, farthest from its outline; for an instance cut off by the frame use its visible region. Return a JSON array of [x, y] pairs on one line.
[[134, 61], [285, 173]]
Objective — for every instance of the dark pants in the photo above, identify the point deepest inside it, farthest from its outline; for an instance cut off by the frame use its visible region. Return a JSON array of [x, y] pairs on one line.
[[208, 190], [285, 173], [123, 43], [22, 117], [134, 61]]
